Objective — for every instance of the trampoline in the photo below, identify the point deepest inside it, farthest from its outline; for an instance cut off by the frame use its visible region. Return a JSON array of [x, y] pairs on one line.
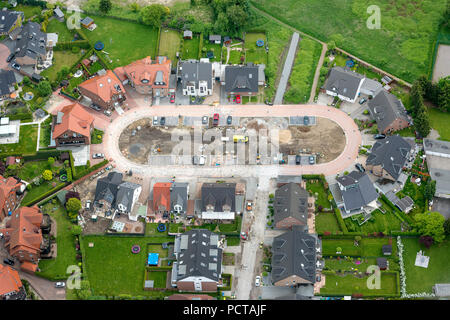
[[63, 177], [210, 54], [161, 227], [350, 63], [99, 46], [135, 249], [259, 43], [28, 96], [153, 259]]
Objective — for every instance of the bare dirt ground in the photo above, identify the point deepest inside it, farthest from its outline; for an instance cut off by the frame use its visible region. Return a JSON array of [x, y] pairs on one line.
[[442, 65], [325, 139]]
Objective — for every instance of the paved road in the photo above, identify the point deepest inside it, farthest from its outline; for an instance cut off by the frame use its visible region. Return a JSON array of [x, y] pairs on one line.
[[289, 62], [344, 160]]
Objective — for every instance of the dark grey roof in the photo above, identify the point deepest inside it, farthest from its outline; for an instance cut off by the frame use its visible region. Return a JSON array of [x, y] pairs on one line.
[[125, 195], [382, 262], [86, 20], [31, 41], [8, 18], [294, 253], [198, 254], [343, 82], [391, 153], [193, 71], [179, 195], [107, 187], [215, 37], [7, 81], [402, 204], [359, 190], [58, 12], [241, 78], [385, 108], [218, 195], [291, 200], [387, 249]]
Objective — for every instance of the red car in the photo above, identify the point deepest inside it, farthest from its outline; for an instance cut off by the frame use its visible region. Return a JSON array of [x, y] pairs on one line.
[[238, 99], [216, 119], [172, 98]]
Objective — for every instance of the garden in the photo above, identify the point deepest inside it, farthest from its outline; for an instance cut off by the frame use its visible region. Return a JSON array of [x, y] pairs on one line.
[[216, 50], [96, 136], [61, 59], [367, 247], [379, 222], [253, 52], [169, 44], [27, 142], [317, 188], [190, 47], [326, 222], [439, 120]]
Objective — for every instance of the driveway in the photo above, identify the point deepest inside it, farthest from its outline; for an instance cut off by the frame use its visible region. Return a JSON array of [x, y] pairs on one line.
[[442, 206], [4, 53]]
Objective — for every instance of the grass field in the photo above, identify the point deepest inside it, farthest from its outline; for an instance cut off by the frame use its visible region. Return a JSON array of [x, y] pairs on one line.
[[215, 48], [32, 169], [382, 223], [55, 26], [302, 75], [322, 195], [368, 247], [124, 41], [191, 47], [169, 44], [253, 53], [63, 58], [111, 267], [55, 269], [326, 221], [36, 191], [159, 278], [439, 120], [402, 45], [420, 279], [29, 11], [27, 141]]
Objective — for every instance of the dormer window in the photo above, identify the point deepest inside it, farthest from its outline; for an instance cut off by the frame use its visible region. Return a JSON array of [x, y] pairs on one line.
[[145, 81]]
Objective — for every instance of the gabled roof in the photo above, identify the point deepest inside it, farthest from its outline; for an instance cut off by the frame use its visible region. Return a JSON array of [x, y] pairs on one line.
[[161, 195], [147, 72], [193, 71], [386, 108], [291, 200], [359, 190], [215, 37], [198, 255], [7, 185], [391, 153], [295, 253], [7, 81], [107, 187], [241, 78], [219, 195], [74, 118], [32, 41], [343, 82], [9, 280], [8, 18], [125, 194], [104, 86], [179, 195]]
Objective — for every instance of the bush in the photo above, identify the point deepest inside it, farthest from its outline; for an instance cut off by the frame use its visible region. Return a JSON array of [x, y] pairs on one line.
[[75, 49]]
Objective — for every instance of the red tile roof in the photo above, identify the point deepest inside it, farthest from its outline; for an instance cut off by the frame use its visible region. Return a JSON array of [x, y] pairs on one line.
[[144, 71], [9, 280], [7, 185], [29, 267], [161, 195], [105, 87], [75, 119]]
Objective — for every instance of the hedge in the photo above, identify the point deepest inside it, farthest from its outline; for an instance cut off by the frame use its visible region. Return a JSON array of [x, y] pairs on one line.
[[84, 44], [200, 46], [78, 175], [157, 40], [43, 155], [405, 233], [44, 195], [341, 222], [25, 117]]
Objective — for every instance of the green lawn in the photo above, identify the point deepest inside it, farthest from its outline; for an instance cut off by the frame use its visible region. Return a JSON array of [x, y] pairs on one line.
[[38, 190], [32, 169], [407, 132], [157, 248], [253, 53], [169, 44], [233, 241], [379, 223], [96, 136], [29, 11], [402, 46], [439, 120], [190, 47], [326, 221], [349, 284], [368, 247], [44, 140], [64, 34], [419, 279], [111, 267], [27, 141], [159, 278], [61, 58], [215, 48], [124, 41], [340, 60], [322, 195], [55, 269]]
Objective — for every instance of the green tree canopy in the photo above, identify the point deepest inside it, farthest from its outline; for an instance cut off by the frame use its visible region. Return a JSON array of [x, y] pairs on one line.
[[431, 224], [44, 88], [153, 15], [430, 190], [73, 205], [76, 230], [47, 175], [105, 6]]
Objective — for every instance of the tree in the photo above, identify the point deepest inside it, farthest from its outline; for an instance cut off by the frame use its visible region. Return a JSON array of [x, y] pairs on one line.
[[76, 230], [85, 290], [44, 88], [431, 224], [47, 175], [331, 45], [221, 24], [153, 15], [51, 161], [426, 240], [105, 6], [447, 226], [237, 17], [422, 123], [26, 81], [430, 190], [73, 205]]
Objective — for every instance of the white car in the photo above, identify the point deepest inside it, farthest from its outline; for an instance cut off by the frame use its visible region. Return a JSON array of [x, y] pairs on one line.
[[155, 120], [88, 205], [98, 156], [108, 113], [258, 281], [60, 285]]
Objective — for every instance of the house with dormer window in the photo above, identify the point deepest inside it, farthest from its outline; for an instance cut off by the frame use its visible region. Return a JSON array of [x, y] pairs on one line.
[[344, 84], [9, 187], [218, 201], [196, 78], [72, 126], [241, 80]]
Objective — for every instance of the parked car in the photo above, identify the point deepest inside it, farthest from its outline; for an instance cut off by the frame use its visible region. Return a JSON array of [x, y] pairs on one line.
[[362, 100], [249, 206], [96, 107], [202, 160], [204, 120], [311, 160], [258, 281], [360, 167], [269, 103], [172, 98], [108, 113], [162, 121], [8, 261], [238, 99], [60, 284], [88, 205], [306, 120], [15, 66], [216, 119], [155, 120], [98, 156], [379, 136], [10, 57], [297, 159], [229, 120]]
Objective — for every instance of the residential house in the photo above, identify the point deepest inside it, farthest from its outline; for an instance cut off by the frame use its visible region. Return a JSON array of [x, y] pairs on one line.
[[442, 290], [147, 76], [199, 261], [7, 128], [344, 84], [179, 197], [127, 195], [72, 126], [382, 263], [296, 258], [215, 38], [388, 156], [11, 287], [226, 40], [357, 193], [161, 197], [104, 90], [23, 237], [291, 206], [31, 48], [389, 112], [438, 160], [371, 87], [7, 83], [9, 187], [218, 201], [10, 22], [241, 80], [196, 78], [187, 34]]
